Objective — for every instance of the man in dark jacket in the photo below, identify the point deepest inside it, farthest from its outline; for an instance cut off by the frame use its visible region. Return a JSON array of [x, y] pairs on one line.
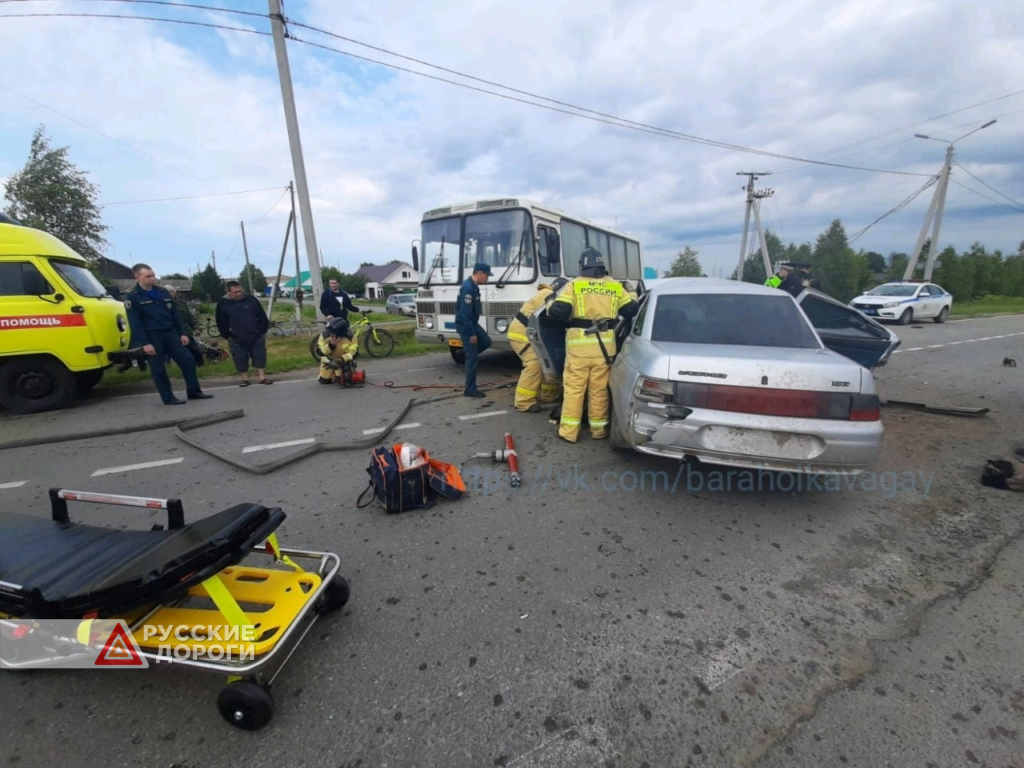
[[242, 320], [336, 303]]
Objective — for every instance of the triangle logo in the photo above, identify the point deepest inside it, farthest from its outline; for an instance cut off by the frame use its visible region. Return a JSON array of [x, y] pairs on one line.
[[121, 650]]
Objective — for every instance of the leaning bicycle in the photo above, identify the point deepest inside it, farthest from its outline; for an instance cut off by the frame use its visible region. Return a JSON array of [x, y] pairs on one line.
[[291, 328], [376, 341]]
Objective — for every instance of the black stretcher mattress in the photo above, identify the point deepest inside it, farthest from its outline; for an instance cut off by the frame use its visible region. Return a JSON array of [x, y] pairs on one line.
[[56, 570]]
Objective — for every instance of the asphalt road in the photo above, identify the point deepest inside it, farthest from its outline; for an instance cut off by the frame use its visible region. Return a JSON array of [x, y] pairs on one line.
[[613, 611]]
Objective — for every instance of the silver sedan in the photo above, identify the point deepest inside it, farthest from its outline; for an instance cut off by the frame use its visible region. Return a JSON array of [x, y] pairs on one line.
[[737, 374]]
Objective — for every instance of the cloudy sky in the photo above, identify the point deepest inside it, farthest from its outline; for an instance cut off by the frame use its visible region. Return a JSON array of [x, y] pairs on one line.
[[159, 110]]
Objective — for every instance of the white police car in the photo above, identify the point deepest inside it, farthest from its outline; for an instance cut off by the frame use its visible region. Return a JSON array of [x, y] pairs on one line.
[[905, 301]]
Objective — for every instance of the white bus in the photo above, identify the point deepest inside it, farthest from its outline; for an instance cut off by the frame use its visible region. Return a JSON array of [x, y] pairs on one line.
[[525, 243]]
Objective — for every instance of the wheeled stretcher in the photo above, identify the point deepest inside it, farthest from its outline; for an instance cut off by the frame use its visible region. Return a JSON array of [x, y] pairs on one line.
[[183, 593]]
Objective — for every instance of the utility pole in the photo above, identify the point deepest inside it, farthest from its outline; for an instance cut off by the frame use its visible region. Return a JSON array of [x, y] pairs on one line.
[[935, 209], [280, 266], [214, 255], [298, 266], [751, 176], [298, 164], [248, 268]]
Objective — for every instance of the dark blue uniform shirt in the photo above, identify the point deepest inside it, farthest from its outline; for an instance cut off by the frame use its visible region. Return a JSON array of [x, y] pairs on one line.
[[151, 311], [467, 308]]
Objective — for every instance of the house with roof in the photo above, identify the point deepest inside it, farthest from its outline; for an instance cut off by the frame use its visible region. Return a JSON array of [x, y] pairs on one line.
[[399, 274]]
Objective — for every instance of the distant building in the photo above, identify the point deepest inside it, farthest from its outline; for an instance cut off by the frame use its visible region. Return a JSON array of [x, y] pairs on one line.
[[401, 275], [108, 269]]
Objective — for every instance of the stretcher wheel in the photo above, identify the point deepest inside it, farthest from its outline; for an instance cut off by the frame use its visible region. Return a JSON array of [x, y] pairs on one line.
[[246, 705], [335, 595]]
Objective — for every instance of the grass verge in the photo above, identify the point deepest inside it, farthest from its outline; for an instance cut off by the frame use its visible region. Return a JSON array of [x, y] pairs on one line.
[[288, 353], [989, 305]]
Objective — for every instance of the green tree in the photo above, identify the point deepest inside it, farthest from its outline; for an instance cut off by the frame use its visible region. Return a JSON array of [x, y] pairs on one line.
[[259, 280], [330, 273], [897, 266], [174, 276], [207, 285], [51, 194], [686, 264], [836, 266], [352, 283], [876, 261]]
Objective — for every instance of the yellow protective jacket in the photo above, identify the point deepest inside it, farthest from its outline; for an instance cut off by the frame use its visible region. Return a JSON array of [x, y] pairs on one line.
[[517, 330], [586, 300], [344, 350]]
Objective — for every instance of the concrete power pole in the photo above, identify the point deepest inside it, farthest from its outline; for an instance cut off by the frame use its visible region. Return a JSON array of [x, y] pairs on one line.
[[935, 209], [248, 268], [298, 164], [751, 196]]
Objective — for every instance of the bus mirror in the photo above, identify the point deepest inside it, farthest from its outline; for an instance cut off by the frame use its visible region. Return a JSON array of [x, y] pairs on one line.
[[554, 246], [415, 259]]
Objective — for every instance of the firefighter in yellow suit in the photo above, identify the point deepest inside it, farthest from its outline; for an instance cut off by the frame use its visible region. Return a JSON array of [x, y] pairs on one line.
[[338, 350], [587, 300], [531, 380]]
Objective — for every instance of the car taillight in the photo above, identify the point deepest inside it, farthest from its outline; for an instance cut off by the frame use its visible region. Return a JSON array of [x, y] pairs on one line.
[[778, 402], [865, 408], [654, 390]]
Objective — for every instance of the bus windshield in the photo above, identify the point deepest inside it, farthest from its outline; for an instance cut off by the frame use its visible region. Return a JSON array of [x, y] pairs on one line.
[[442, 241], [503, 239]]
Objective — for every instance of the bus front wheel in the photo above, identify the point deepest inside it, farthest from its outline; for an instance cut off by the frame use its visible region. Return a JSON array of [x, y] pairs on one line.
[[458, 355]]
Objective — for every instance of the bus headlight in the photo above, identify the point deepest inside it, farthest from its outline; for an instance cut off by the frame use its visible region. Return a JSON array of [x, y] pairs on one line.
[[501, 325], [430, 323]]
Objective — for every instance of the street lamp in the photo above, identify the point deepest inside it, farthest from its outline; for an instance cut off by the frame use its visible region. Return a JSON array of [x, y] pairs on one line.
[[936, 208]]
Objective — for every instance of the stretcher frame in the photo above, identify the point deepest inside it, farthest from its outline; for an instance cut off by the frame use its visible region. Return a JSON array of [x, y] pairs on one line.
[[327, 591]]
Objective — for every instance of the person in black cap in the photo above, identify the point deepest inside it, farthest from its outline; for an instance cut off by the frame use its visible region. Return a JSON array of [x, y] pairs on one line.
[[467, 322]]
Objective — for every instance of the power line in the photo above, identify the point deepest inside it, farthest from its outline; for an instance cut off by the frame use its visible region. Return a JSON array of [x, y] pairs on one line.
[[906, 127], [898, 207], [191, 6], [133, 18], [1018, 204], [614, 121], [981, 194], [190, 197], [285, 192]]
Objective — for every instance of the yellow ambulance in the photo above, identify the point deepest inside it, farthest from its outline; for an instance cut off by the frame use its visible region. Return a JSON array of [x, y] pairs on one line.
[[59, 328]]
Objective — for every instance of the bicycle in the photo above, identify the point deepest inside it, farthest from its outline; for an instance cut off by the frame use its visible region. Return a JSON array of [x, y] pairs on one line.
[[376, 341], [291, 328], [210, 329]]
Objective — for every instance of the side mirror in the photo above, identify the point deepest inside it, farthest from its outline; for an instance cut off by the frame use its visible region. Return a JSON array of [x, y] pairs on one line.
[[554, 248], [59, 297], [415, 259]]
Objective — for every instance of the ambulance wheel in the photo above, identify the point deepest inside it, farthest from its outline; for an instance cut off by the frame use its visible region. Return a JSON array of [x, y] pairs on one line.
[[335, 595], [246, 705], [85, 381], [458, 355], [35, 384]]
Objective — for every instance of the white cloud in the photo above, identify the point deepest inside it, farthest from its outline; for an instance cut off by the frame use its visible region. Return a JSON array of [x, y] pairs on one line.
[[381, 146]]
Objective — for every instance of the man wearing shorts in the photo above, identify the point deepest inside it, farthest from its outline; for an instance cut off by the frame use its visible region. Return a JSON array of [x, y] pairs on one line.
[[242, 320]]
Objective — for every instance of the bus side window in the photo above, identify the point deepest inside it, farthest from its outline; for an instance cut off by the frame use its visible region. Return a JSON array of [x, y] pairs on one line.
[[617, 258], [574, 243], [550, 264], [634, 267]]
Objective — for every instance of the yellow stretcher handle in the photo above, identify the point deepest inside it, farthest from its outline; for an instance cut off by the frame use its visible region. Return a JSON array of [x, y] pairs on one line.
[[272, 541]]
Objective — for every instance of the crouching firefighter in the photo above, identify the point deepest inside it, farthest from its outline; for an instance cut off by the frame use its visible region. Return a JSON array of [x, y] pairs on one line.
[[338, 350], [531, 380], [592, 299]]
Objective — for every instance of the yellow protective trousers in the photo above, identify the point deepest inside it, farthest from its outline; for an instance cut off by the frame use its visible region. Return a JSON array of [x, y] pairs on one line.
[[585, 380], [532, 376]]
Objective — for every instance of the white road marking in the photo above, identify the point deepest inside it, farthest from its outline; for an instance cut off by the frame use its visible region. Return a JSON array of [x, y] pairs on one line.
[[288, 444], [481, 415], [591, 746], [13, 485], [378, 430], [132, 467], [954, 343]]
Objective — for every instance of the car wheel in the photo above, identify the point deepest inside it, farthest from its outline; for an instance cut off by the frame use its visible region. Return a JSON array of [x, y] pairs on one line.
[[615, 438], [941, 317], [907, 317], [36, 384]]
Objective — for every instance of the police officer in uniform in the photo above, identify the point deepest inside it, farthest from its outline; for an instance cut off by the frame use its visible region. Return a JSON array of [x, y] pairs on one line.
[[467, 322], [157, 328], [587, 300], [532, 376]]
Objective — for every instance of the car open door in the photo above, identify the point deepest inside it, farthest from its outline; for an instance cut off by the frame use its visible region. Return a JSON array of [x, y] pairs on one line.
[[848, 331]]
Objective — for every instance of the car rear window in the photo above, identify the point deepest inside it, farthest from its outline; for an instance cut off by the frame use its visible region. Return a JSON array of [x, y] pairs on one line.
[[722, 318]]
